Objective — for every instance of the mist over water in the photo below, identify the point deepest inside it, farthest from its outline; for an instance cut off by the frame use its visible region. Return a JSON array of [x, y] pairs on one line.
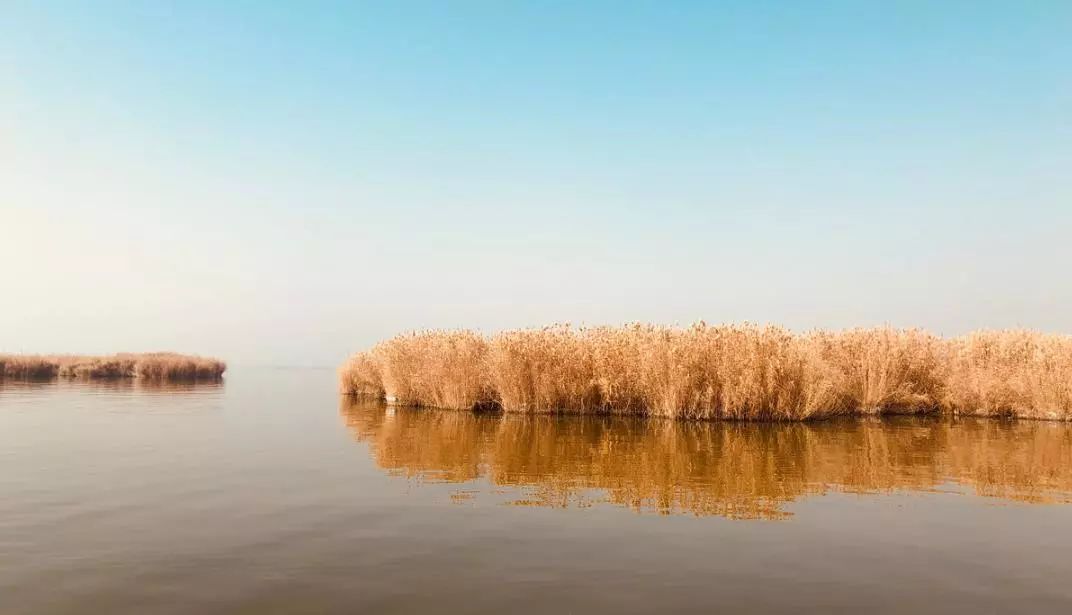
[[269, 493]]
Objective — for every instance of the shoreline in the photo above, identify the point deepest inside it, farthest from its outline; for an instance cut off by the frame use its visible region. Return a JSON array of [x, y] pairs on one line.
[[493, 409]]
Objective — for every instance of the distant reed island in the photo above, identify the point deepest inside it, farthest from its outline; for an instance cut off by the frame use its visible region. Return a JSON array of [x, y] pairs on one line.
[[742, 372], [147, 366]]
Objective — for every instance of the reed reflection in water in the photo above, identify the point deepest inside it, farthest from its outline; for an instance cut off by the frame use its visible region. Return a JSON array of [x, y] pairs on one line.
[[123, 386], [141, 395], [736, 470]]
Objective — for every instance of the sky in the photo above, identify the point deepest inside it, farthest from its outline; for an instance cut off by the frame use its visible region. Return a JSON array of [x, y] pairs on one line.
[[285, 183]]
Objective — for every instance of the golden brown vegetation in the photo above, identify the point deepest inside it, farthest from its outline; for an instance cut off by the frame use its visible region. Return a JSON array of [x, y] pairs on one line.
[[150, 366], [1010, 373], [722, 372], [738, 470], [444, 370]]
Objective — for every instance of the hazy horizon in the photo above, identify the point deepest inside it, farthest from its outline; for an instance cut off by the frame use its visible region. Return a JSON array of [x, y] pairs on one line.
[[285, 185]]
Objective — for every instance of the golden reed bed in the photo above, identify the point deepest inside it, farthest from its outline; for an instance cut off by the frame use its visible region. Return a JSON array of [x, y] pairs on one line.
[[150, 366], [722, 372]]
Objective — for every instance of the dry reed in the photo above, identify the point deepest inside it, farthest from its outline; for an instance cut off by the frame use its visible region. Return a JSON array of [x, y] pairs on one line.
[[722, 372], [149, 366], [443, 369]]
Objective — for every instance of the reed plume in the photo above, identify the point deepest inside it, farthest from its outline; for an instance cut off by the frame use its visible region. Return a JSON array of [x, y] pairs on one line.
[[1010, 373], [744, 371], [441, 369]]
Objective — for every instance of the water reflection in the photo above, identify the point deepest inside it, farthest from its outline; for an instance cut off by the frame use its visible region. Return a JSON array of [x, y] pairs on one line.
[[737, 470], [108, 386], [133, 395]]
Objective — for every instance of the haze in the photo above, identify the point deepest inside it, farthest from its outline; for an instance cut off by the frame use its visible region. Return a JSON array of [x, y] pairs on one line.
[[286, 185]]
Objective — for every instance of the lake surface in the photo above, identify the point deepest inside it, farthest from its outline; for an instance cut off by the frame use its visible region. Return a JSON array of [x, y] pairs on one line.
[[270, 494]]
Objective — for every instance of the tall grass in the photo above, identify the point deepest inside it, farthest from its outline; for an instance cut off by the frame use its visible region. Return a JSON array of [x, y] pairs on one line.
[[1010, 373], [28, 367], [149, 366], [722, 372], [443, 369]]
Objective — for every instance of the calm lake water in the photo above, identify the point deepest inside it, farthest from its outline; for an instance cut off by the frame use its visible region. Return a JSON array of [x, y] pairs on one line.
[[269, 494]]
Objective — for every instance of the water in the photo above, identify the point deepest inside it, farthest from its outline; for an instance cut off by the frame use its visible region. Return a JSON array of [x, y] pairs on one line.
[[268, 494]]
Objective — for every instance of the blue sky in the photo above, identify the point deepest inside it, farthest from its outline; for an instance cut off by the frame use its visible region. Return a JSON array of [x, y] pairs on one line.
[[286, 182]]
